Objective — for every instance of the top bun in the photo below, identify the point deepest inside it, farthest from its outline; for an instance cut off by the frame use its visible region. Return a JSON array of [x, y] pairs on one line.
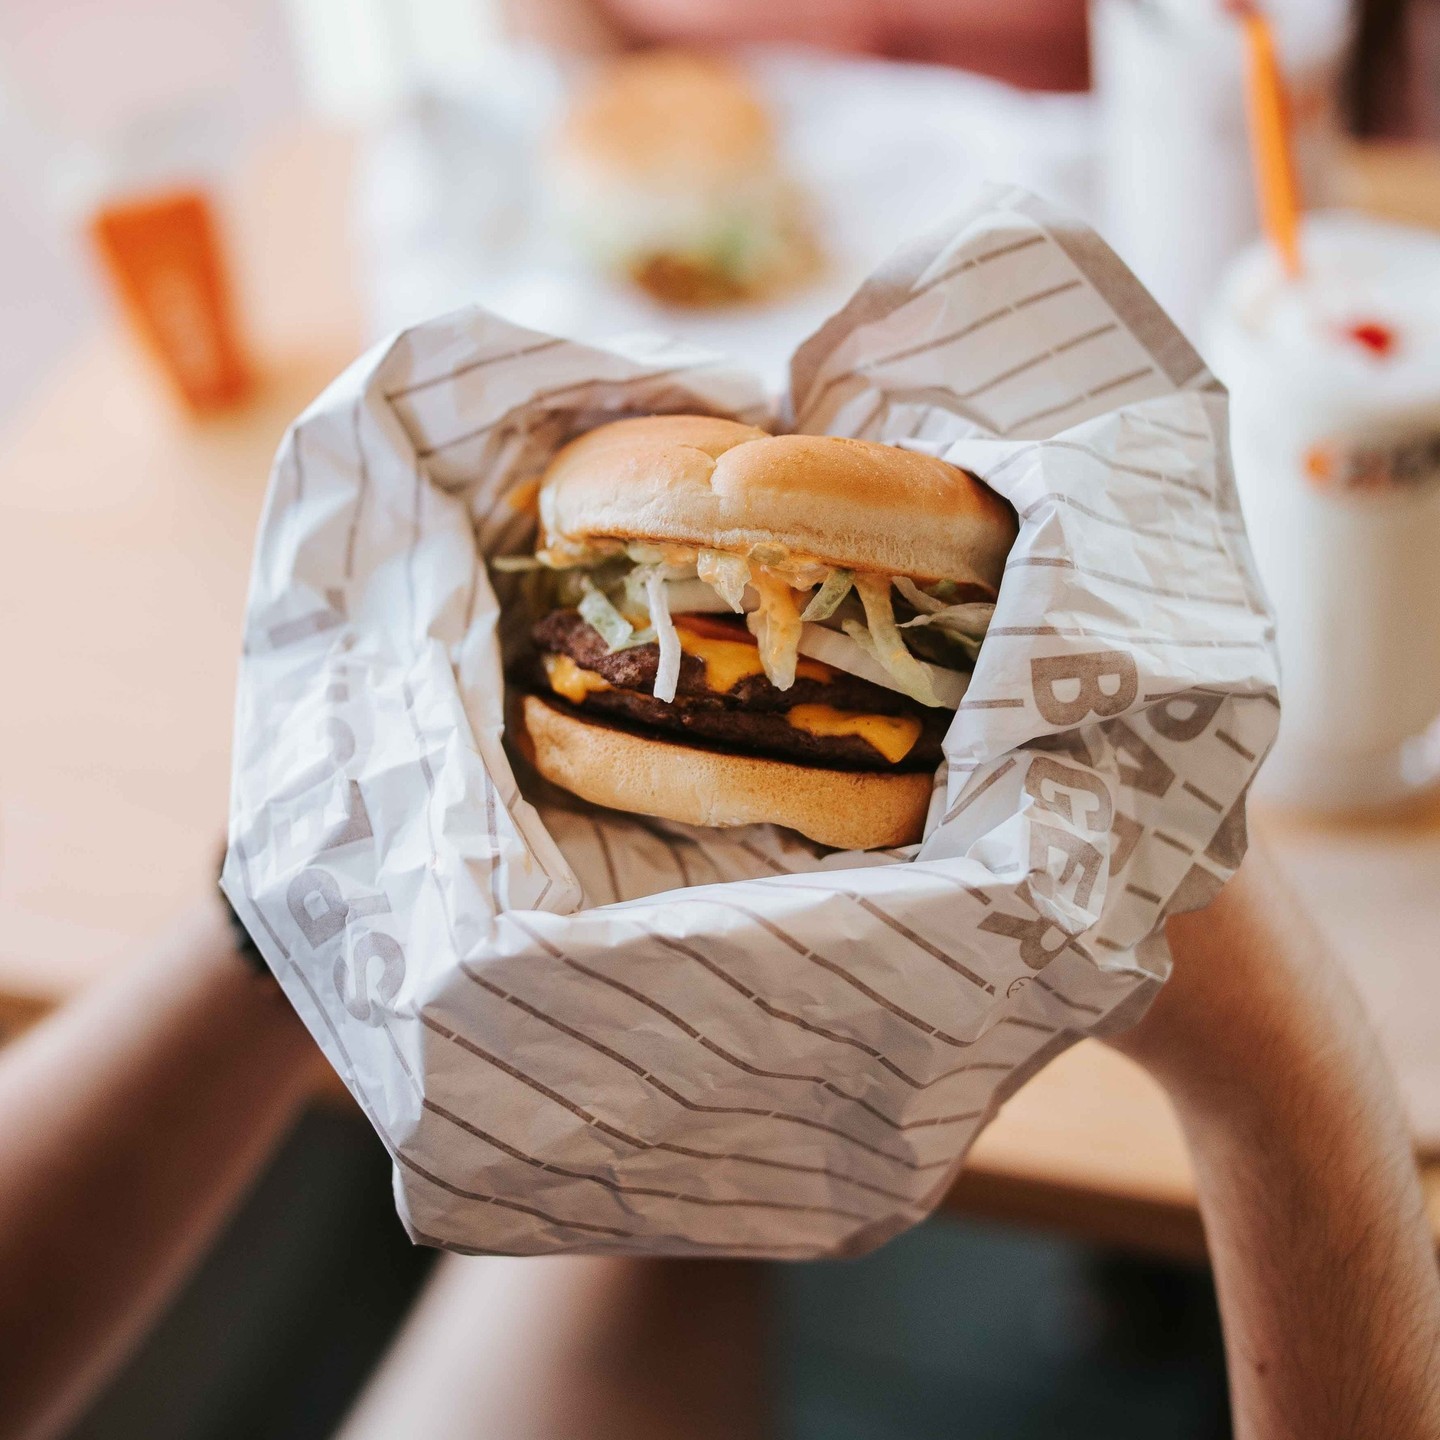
[[699, 481], [667, 117]]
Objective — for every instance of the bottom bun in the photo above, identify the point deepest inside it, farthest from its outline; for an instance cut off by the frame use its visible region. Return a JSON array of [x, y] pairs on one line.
[[602, 763]]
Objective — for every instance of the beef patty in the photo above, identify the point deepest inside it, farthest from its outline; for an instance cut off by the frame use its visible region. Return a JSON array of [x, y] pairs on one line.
[[749, 718]]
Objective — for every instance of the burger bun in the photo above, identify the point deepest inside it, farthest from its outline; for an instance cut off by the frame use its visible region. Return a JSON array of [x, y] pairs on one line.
[[614, 767]]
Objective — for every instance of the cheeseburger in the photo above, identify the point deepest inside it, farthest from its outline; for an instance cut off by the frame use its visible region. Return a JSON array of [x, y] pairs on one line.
[[740, 627], [666, 171]]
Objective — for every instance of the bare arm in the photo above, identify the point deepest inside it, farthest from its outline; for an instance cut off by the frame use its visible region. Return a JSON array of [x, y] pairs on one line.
[[1323, 1259], [133, 1120]]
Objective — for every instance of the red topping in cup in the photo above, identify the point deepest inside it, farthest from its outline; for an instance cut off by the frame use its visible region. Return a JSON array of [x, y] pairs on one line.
[[1378, 339]]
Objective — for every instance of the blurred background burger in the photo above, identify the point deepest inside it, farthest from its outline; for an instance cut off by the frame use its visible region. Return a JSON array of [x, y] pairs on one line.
[[667, 171]]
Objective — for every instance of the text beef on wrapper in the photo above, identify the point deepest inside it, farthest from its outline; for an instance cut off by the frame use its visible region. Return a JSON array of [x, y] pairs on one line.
[[581, 1031]]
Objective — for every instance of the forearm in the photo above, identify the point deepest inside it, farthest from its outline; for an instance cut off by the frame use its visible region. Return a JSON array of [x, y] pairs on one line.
[[133, 1121], [1323, 1259], [1326, 1280]]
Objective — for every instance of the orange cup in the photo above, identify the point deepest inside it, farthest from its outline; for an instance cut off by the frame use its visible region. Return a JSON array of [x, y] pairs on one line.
[[162, 255]]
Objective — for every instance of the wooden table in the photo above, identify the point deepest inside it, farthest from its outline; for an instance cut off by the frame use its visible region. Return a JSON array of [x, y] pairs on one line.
[[125, 536]]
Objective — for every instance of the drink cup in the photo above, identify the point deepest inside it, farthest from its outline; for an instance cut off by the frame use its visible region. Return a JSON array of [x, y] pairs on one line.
[[162, 255], [1334, 381], [1177, 197]]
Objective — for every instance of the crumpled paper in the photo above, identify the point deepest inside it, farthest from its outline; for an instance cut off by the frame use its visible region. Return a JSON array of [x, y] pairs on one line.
[[583, 1031]]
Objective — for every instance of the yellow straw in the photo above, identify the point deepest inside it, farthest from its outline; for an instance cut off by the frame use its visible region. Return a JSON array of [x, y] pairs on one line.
[[1271, 148]]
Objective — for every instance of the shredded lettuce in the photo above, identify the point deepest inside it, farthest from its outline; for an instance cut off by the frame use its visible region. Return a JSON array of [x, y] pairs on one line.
[[560, 554], [726, 574], [925, 604], [767, 552], [826, 600], [888, 643], [609, 572], [971, 619], [596, 607], [566, 587], [667, 675], [948, 592], [630, 594], [776, 628], [943, 647], [951, 634]]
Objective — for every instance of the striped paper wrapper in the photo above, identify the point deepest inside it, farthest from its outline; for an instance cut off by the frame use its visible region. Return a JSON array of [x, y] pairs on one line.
[[576, 1030]]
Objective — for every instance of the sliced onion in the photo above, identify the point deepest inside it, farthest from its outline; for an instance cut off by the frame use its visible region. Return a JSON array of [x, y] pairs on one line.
[[667, 675], [695, 597], [837, 649]]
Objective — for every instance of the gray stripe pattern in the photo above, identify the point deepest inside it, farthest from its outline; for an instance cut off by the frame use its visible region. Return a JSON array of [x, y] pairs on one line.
[[582, 1032]]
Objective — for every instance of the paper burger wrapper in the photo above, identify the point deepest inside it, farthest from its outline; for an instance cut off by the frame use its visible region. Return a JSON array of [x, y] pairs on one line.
[[577, 1030]]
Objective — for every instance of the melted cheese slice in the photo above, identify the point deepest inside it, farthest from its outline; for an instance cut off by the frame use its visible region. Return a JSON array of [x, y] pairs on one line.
[[728, 662], [894, 736], [570, 681]]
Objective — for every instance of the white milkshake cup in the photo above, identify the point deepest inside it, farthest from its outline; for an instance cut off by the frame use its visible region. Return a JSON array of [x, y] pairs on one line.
[[1334, 380]]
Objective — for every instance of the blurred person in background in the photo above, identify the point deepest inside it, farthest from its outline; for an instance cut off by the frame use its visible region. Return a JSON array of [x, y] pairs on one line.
[[136, 1117], [1392, 84], [1038, 44]]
